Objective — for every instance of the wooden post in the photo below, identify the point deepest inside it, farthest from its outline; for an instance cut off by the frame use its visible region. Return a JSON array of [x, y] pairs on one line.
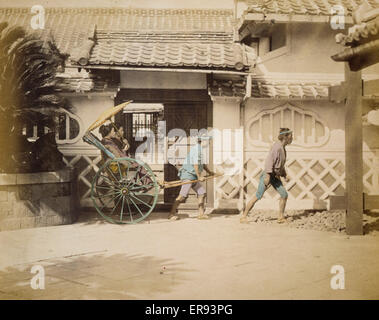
[[353, 152]]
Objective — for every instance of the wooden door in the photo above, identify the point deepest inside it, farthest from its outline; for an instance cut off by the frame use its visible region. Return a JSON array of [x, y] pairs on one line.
[[186, 116]]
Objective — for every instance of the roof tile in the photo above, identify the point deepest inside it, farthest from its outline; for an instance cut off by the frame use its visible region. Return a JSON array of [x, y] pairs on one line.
[[142, 37], [206, 55], [360, 33], [300, 7], [262, 88], [362, 38]]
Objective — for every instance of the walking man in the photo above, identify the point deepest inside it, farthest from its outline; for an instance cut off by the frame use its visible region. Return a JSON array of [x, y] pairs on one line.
[[274, 170], [191, 170]]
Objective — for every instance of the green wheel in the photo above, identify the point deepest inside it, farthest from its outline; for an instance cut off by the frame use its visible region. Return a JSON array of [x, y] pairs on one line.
[[124, 191]]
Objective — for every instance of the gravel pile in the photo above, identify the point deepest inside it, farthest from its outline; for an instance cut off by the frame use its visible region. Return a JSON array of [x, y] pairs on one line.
[[333, 221], [316, 220]]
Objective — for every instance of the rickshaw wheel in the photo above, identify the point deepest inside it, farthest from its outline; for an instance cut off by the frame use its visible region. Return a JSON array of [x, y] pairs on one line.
[[124, 191]]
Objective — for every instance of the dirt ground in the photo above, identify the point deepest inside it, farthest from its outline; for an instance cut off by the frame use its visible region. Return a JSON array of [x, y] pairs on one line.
[[217, 258]]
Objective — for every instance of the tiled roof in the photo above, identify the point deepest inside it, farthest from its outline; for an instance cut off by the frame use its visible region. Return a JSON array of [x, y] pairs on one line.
[[70, 27], [302, 7], [127, 19], [74, 81], [168, 50], [312, 90], [362, 39], [228, 88], [140, 37], [360, 33], [263, 88]]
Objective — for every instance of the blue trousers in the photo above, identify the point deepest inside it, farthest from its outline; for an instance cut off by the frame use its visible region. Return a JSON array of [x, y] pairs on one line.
[[275, 182]]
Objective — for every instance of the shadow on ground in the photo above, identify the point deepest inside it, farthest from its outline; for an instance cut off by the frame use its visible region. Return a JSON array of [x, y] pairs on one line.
[[92, 217], [99, 276]]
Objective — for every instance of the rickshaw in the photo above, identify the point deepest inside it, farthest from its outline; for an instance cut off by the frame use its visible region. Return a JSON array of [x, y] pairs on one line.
[[124, 190]]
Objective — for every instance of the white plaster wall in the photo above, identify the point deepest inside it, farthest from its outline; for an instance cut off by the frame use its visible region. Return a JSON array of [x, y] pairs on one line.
[[226, 118], [88, 110], [311, 46], [228, 152], [331, 113], [163, 80], [226, 113]]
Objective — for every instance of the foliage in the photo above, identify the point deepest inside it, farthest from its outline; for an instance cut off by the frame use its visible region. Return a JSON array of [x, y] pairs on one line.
[[28, 67]]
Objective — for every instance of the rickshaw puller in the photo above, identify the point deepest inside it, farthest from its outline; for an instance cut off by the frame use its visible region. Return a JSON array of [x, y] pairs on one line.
[[191, 170]]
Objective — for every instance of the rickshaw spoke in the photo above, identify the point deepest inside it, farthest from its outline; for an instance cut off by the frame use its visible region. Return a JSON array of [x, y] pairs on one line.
[[120, 196], [112, 191], [110, 170], [131, 184], [135, 178], [108, 202], [147, 205], [122, 207], [130, 211], [136, 207], [108, 194], [106, 188], [144, 186], [143, 176], [119, 170], [110, 181]]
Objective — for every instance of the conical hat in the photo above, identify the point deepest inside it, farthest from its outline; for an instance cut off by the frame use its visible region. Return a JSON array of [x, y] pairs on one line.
[[108, 114]]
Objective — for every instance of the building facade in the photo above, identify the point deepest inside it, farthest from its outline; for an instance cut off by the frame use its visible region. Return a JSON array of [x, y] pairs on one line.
[[246, 71]]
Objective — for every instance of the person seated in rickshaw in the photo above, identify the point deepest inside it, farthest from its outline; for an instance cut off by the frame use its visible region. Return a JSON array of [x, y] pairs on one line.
[[119, 146], [120, 141]]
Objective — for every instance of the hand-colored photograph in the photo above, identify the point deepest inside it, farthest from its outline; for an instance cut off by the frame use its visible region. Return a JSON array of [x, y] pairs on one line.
[[189, 150]]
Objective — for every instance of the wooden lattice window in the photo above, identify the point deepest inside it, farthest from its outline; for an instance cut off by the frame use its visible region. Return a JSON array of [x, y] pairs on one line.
[[309, 130], [144, 122]]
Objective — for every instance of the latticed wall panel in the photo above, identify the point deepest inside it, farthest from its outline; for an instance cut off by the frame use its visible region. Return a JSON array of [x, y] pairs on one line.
[[311, 178], [315, 161], [86, 166], [228, 190]]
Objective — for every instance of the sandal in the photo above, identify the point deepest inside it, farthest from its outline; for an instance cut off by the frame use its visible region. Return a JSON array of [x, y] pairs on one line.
[[173, 217], [203, 217]]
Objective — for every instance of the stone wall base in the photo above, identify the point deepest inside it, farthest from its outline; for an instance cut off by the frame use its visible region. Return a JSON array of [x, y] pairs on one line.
[[38, 199]]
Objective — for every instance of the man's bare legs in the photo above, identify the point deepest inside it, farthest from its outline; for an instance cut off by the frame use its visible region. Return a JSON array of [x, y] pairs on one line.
[[201, 200], [252, 202], [173, 216], [180, 199], [249, 206], [282, 207]]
